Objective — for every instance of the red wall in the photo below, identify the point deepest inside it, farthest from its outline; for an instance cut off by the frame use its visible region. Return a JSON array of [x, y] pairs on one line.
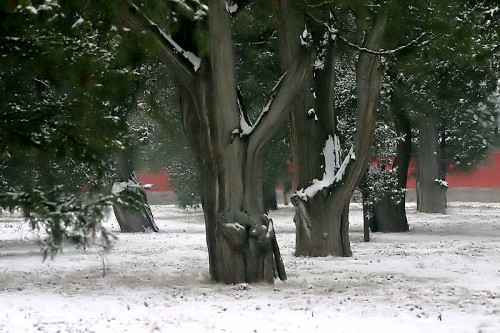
[[159, 181], [487, 175]]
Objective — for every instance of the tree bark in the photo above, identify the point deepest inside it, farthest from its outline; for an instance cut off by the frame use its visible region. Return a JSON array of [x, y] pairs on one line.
[[322, 220], [130, 219], [388, 215], [270, 200], [241, 241], [431, 189]]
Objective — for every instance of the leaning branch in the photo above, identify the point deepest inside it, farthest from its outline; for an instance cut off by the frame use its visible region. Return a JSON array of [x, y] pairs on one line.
[[335, 34], [281, 95], [382, 51], [183, 63], [275, 110]]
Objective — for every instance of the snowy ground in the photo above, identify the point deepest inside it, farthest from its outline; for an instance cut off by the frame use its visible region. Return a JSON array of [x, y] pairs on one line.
[[442, 276]]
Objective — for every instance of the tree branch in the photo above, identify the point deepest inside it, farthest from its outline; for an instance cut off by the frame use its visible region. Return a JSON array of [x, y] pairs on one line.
[[335, 33], [382, 52], [269, 121], [183, 63], [281, 95]]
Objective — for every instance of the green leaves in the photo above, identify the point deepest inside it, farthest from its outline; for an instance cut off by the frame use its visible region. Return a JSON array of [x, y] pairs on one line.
[[65, 98]]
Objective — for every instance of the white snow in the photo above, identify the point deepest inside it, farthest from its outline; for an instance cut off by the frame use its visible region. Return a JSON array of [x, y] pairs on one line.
[[246, 127], [77, 23], [231, 8], [442, 276], [304, 37], [441, 182], [334, 170], [121, 186], [190, 56]]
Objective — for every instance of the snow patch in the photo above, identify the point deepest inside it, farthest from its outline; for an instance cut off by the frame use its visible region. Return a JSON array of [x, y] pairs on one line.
[[119, 187], [190, 56], [305, 37], [441, 182], [77, 23], [235, 226], [334, 168], [231, 8], [247, 128]]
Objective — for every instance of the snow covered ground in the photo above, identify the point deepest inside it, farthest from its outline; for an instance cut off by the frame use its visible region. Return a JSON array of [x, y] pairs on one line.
[[442, 276]]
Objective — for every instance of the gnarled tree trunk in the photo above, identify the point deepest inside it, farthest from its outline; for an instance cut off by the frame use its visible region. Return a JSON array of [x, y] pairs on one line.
[[431, 189], [229, 151], [322, 218]]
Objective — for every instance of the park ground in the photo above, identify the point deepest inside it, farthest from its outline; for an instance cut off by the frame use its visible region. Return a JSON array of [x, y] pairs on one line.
[[442, 276]]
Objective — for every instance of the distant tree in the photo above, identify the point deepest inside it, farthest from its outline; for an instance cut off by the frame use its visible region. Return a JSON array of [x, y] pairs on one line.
[[451, 80], [442, 87]]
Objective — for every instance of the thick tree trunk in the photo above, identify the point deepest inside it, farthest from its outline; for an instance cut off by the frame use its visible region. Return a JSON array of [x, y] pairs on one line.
[[388, 215], [241, 242], [316, 234], [130, 219], [431, 189], [322, 220]]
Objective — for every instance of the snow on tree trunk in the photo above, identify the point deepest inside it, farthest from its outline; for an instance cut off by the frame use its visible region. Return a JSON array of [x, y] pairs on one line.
[[321, 216], [129, 219], [431, 189]]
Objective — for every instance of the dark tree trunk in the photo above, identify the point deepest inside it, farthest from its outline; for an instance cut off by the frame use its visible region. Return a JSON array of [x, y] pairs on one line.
[[241, 242], [390, 215], [322, 219], [431, 189], [132, 219], [316, 234], [270, 200], [368, 214]]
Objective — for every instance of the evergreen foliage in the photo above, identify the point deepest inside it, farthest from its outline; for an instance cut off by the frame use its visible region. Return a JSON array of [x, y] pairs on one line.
[[66, 88]]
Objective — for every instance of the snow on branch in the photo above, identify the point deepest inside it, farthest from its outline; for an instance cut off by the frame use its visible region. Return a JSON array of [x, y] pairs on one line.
[[246, 127], [382, 51], [335, 33], [188, 55], [231, 7], [334, 168]]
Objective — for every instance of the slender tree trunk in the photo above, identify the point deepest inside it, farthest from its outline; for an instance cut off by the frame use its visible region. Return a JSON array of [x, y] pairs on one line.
[[431, 189], [129, 219], [368, 214], [390, 216], [270, 200]]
